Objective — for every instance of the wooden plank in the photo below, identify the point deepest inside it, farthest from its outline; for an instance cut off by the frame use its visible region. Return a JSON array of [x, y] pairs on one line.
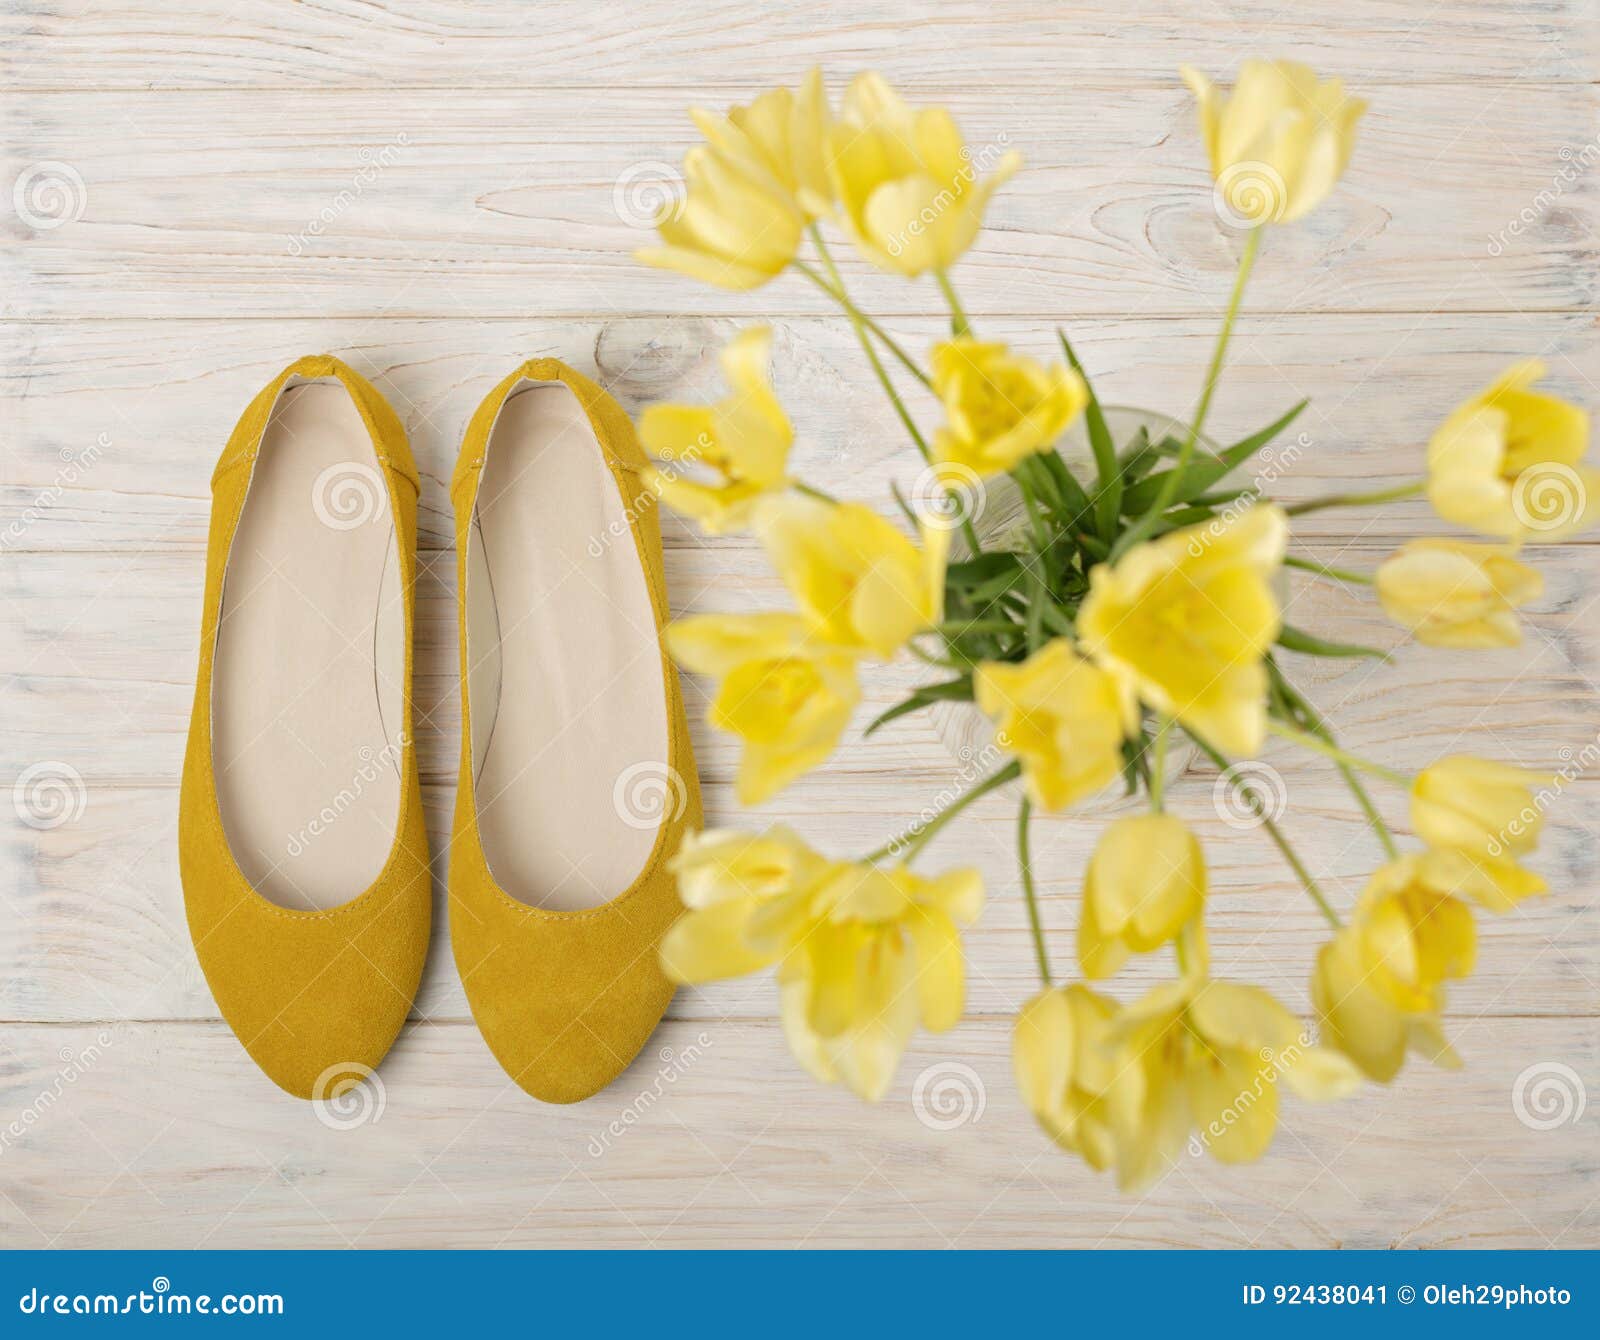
[[110, 429], [92, 925], [1019, 45], [115, 708], [168, 1136], [497, 203]]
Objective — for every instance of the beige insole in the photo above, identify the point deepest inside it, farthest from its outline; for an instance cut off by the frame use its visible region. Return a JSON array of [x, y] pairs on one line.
[[567, 702], [310, 659]]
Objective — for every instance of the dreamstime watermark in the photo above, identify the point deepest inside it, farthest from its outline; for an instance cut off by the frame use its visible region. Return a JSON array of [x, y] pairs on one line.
[[674, 1065], [349, 494], [1548, 496], [158, 1300], [648, 794], [948, 1095], [948, 496], [1575, 764], [75, 1064], [1249, 195], [973, 166], [373, 163], [647, 498], [49, 794], [1574, 164], [647, 194], [1273, 1064], [348, 1094], [976, 764], [49, 195], [1272, 463], [74, 466], [373, 764], [1249, 793], [1549, 1094]]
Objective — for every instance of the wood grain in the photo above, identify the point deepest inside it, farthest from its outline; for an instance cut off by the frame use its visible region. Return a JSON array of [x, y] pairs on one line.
[[117, 708], [505, 203], [111, 428], [502, 44], [714, 1137], [436, 190], [92, 925]]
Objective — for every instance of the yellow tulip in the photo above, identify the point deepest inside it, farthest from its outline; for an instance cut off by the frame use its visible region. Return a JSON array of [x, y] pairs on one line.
[[1146, 881], [1207, 1056], [1379, 984], [884, 953], [1495, 883], [1063, 717], [781, 133], [1001, 408], [1185, 620], [1477, 805], [1506, 463], [735, 227], [1454, 594], [1279, 143], [908, 188], [1063, 1069], [741, 892], [787, 696], [743, 438], [859, 580], [863, 952]]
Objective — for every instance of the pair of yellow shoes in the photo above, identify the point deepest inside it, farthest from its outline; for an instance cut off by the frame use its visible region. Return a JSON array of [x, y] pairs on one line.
[[302, 844]]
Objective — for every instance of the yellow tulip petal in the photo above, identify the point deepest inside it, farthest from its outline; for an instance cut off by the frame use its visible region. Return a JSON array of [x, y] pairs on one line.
[[1279, 128], [714, 644], [1099, 954], [707, 945], [940, 968], [1495, 883], [958, 893], [807, 1047], [1425, 1036], [1042, 1044], [867, 1055], [1356, 1019], [839, 976], [1321, 1075], [1232, 1015], [1235, 1106]]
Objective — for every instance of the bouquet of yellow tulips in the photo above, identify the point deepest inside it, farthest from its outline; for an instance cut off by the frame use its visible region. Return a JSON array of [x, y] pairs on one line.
[[1134, 602]]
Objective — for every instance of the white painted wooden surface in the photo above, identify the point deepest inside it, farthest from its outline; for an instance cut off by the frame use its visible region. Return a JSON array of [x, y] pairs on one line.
[[489, 141]]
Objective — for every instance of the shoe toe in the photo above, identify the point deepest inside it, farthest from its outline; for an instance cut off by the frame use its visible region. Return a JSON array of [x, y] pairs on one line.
[[565, 1000], [316, 999]]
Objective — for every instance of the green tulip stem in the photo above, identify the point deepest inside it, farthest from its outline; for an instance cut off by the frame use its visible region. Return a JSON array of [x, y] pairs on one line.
[[1327, 748], [1324, 570], [1395, 494], [871, 351], [915, 838], [1247, 259], [888, 341], [819, 494], [959, 325], [1174, 477], [1029, 894], [884, 380], [1301, 707], [1158, 769], [1276, 833]]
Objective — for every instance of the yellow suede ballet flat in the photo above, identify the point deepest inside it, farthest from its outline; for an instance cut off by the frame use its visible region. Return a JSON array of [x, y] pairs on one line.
[[577, 780], [301, 841]]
